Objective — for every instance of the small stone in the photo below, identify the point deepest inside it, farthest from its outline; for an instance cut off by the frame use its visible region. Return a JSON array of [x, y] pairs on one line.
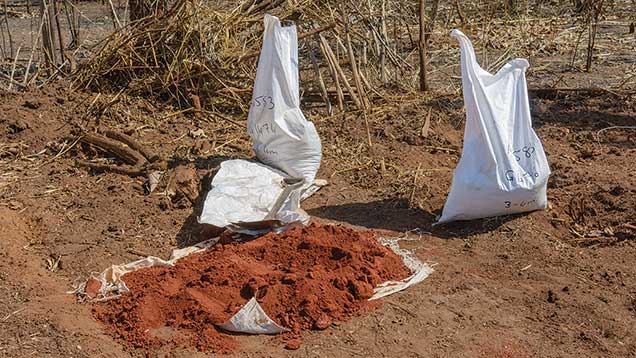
[[323, 322], [32, 104], [289, 279], [92, 288], [293, 344]]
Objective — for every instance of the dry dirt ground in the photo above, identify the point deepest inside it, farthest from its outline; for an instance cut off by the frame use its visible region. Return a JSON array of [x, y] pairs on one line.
[[554, 283]]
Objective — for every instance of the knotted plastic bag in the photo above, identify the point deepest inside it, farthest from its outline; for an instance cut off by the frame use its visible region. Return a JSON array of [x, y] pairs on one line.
[[283, 138], [503, 168]]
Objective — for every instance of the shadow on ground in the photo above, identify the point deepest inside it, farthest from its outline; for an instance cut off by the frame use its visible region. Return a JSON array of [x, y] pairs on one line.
[[395, 215]]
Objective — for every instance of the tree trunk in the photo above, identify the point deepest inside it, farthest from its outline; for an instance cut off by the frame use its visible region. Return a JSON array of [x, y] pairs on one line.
[[422, 46]]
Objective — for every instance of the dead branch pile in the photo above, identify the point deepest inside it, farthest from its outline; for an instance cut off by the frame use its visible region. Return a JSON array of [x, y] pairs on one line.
[[203, 56]]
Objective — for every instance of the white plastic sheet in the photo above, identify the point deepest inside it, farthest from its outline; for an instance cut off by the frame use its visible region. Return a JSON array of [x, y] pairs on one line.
[[419, 269], [252, 319], [111, 278], [503, 168], [282, 137]]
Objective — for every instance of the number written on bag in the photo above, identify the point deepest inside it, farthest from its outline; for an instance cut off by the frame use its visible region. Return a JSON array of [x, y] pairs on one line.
[[511, 175], [263, 129], [525, 152], [264, 101], [521, 204]]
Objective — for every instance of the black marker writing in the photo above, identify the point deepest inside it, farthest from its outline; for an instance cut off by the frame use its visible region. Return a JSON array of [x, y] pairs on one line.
[[264, 101]]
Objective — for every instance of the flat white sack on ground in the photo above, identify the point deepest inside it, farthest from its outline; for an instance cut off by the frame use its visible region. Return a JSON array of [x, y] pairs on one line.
[[282, 137], [503, 168], [243, 198]]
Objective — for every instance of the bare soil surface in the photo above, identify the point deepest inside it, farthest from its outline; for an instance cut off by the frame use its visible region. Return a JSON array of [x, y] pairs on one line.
[[554, 283]]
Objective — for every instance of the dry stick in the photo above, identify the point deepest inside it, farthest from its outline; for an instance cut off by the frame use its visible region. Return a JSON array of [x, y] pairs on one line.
[[397, 49], [596, 12], [2, 47], [59, 28], [376, 41], [121, 151], [598, 134], [132, 143], [576, 48], [116, 23], [427, 124], [70, 23], [10, 80], [425, 33], [587, 90], [69, 11], [340, 72], [352, 60], [369, 86], [365, 61], [333, 73], [37, 43], [366, 123], [383, 49], [462, 19], [341, 48], [395, 58], [6, 20], [47, 41], [126, 13], [417, 174], [408, 32], [15, 62], [321, 83]]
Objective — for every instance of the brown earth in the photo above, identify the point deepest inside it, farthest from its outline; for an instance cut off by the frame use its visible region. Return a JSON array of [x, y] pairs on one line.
[[555, 283]]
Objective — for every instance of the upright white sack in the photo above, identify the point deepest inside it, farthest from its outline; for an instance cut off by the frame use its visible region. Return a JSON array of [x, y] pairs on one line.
[[503, 168], [283, 138]]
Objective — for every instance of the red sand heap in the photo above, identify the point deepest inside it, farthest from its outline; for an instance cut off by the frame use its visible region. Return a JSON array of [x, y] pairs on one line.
[[303, 279]]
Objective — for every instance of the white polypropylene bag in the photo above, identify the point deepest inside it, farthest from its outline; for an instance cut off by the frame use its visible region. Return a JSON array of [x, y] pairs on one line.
[[244, 195], [283, 138], [503, 168]]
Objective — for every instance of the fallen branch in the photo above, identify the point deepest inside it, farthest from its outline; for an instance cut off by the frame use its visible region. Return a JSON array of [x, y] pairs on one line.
[[133, 144], [118, 149]]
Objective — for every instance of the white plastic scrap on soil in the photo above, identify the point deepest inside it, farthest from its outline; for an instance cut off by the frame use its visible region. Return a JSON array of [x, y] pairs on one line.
[[419, 269], [111, 281]]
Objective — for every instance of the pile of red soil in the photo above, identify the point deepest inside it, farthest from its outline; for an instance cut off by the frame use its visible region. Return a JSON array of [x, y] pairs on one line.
[[305, 278]]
